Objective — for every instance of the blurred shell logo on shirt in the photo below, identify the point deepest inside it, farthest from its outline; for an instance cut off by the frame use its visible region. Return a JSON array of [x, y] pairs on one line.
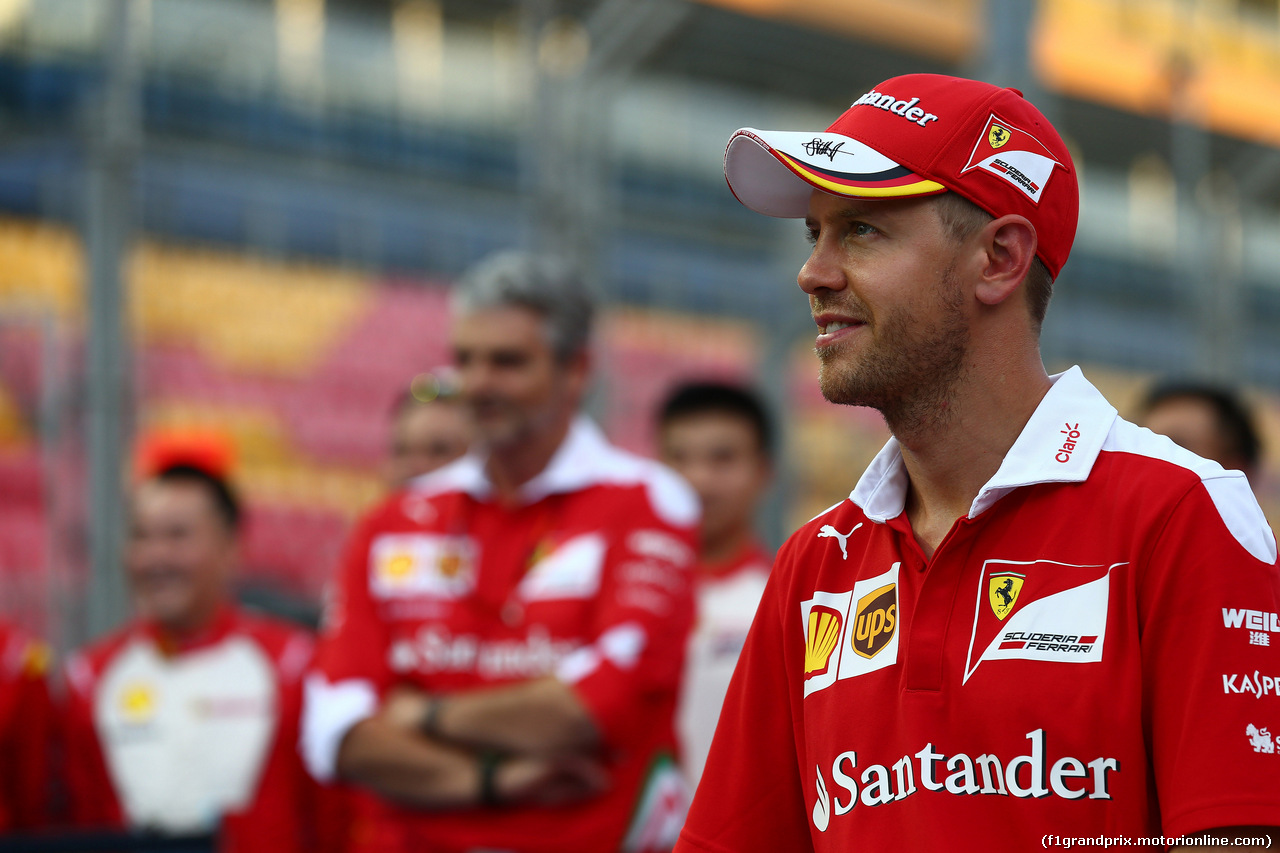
[[137, 703], [399, 567]]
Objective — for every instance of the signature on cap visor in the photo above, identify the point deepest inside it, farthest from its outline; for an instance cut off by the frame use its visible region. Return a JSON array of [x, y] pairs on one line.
[[774, 171]]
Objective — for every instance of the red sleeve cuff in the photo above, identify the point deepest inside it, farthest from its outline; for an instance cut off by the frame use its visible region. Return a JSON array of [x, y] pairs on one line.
[[1260, 811]]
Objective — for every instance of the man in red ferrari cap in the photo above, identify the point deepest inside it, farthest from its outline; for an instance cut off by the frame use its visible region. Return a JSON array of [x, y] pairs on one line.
[[1031, 622]]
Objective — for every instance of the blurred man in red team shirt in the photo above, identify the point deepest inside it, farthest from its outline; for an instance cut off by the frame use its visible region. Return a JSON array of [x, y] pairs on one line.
[[186, 720], [719, 438], [501, 661]]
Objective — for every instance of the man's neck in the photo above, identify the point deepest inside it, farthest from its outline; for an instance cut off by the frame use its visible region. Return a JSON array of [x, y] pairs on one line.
[[720, 549], [512, 465], [194, 626], [950, 461]]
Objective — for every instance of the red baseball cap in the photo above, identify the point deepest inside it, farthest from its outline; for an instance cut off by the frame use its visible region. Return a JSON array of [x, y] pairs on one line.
[[920, 134]]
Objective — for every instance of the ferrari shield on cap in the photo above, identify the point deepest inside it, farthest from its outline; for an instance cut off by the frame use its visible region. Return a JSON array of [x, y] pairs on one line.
[[916, 135]]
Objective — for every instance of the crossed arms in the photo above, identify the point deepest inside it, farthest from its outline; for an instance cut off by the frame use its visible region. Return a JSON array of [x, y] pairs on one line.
[[533, 741]]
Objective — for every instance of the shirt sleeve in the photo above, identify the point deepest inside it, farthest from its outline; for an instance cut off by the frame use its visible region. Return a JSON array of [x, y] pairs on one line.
[[645, 612], [1208, 605], [350, 669], [750, 799]]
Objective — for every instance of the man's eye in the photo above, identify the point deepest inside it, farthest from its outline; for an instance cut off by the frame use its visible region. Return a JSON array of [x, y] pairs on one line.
[[811, 235], [862, 229]]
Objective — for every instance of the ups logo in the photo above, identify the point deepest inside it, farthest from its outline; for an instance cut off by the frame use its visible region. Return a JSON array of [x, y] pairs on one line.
[[876, 620]]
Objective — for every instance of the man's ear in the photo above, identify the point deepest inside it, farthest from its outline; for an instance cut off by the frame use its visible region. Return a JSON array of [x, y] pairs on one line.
[[1009, 246]]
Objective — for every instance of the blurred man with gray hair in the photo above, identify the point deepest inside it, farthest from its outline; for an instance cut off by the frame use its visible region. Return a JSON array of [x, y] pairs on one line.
[[500, 663]]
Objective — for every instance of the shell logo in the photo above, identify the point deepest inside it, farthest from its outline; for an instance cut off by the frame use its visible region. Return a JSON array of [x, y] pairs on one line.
[[400, 566], [823, 635], [138, 703]]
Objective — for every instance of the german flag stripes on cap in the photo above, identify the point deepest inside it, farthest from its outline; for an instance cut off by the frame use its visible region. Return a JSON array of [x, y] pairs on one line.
[[916, 135]]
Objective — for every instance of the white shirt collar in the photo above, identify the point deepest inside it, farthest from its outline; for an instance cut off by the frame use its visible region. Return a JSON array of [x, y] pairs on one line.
[[1059, 444], [576, 464]]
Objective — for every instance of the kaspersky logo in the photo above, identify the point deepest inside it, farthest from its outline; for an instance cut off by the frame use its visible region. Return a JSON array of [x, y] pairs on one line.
[[1039, 610], [851, 633]]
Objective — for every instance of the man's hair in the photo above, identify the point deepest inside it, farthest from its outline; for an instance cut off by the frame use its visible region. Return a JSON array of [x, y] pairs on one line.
[[543, 285], [963, 218], [699, 398], [221, 495], [1235, 420]]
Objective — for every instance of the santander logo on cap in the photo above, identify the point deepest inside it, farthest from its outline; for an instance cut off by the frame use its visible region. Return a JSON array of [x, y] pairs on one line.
[[905, 108]]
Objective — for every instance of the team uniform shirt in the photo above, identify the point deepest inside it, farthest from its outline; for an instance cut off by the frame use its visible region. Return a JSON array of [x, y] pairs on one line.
[[586, 578], [189, 737], [26, 731], [1090, 651], [726, 597]]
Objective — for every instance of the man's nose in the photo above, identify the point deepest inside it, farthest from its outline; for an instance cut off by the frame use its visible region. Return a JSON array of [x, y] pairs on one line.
[[474, 378], [821, 271]]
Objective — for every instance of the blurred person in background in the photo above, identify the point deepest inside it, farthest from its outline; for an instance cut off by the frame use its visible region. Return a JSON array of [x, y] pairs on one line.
[[1209, 420], [27, 732], [429, 428], [186, 720], [501, 661], [719, 438]]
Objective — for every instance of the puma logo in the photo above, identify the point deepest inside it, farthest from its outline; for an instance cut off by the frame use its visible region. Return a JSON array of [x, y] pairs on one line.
[[829, 532]]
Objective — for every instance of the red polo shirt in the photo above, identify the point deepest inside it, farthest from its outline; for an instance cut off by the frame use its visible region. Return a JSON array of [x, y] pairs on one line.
[[587, 579], [1090, 651]]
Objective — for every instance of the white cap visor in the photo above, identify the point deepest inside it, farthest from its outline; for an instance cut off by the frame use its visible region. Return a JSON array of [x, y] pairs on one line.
[[774, 171]]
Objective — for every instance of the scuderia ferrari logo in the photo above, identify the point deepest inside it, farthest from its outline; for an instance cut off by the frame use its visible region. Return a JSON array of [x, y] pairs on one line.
[[851, 633], [1015, 156], [1039, 610]]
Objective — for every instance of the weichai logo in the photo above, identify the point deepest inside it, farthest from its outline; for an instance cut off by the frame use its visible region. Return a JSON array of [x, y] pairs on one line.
[[850, 633], [876, 622], [825, 628]]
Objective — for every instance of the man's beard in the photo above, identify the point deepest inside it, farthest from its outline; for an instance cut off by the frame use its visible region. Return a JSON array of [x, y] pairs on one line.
[[910, 369]]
